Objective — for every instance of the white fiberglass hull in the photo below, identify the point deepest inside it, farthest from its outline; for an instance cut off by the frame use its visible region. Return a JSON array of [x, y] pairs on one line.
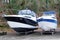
[[47, 24], [20, 24]]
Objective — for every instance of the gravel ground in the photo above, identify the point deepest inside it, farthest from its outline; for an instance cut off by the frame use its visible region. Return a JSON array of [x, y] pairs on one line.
[[34, 36]]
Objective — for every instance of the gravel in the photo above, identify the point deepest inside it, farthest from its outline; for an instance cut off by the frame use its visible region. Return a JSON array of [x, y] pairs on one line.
[[34, 36]]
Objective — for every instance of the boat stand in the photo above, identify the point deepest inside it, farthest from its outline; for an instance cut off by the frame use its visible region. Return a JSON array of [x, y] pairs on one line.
[[47, 32], [3, 33], [26, 33]]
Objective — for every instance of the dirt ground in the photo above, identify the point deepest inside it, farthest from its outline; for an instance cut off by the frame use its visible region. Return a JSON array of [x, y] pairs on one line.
[[33, 36]]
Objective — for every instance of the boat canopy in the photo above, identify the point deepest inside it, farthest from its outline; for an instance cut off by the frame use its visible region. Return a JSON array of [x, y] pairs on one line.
[[27, 12], [49, 13]]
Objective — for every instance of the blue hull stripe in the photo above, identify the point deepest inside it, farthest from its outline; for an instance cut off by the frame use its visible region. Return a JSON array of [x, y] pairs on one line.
[[47, 20]]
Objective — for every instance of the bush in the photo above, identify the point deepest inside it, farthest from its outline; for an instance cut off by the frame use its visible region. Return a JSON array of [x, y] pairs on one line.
[[4, 26]]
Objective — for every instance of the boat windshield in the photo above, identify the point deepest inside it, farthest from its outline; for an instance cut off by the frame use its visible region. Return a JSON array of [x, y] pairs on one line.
[[49, 13], [27, 12]]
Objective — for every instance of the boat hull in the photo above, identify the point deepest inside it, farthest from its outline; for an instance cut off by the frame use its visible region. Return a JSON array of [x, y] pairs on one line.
[[20, 24], [47, 24], [24, 29]]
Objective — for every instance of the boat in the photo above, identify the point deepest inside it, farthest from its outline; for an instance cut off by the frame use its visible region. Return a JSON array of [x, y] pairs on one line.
[[25, 21], [48, 21]]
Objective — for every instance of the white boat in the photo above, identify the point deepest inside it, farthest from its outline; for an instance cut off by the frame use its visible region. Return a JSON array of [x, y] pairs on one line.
[[23, 22], [48, 21]]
